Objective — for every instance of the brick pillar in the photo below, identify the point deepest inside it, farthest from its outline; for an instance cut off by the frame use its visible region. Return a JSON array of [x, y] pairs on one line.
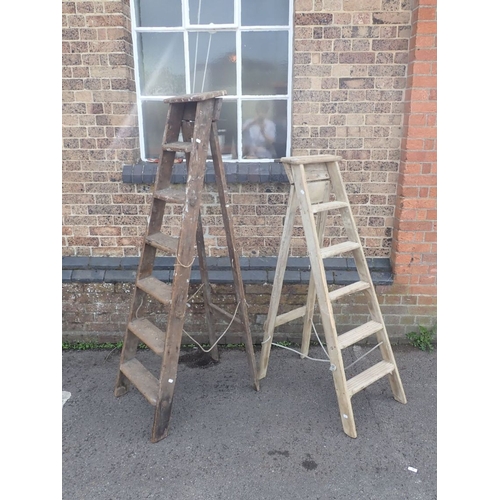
[[414, 252]]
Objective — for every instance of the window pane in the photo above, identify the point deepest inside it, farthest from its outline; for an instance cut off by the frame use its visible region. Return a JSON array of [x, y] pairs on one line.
[[213, 61], [153, 13], [264, 12], [161, 66], [228, 131], [264, 129], [264, 62], [211, 11], [154, 115]]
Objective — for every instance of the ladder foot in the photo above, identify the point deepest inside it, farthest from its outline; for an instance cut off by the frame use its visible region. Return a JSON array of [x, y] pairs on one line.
[[120, 391]]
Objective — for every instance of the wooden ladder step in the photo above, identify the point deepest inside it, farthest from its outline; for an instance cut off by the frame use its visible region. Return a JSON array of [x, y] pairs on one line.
[[152, 336], [348, 290], [331, 205], [163, 242], [170, 195], [157, 289], [368, 377], [334, 295], [178, 147], [290, 316], [142, 378], [359, 333], [347, 246]]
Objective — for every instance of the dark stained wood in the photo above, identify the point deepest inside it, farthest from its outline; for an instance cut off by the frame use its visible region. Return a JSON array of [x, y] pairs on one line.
[[195, 116], [207, 293], [227, 218], [196, 97]]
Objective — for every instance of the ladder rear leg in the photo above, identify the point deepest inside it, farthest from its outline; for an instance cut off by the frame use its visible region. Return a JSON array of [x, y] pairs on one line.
[[207, 296], [269, 325]]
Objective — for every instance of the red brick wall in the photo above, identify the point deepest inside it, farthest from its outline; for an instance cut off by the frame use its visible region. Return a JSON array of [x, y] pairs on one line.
[[414, 250]]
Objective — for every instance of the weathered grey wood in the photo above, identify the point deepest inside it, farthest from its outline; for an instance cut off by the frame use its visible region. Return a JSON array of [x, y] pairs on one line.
[[162, 292], [182, 270], [195, 116], [207, 293], [202, 96], [179, 147], [170, 195], [227, 219], [148, 333], [163, 242], [135, 371]]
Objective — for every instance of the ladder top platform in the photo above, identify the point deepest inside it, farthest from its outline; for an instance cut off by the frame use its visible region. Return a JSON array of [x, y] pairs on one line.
[[307, 160], [195, 97]]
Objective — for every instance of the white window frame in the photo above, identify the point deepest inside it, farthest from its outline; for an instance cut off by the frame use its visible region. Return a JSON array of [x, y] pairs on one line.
[[238, 97]]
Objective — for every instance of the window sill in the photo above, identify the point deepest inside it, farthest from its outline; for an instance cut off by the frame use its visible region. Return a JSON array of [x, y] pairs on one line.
[[237, 173]]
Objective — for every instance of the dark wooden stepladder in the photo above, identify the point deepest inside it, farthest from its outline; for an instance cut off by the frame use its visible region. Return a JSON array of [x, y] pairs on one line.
[[194, 116], [313, 179]]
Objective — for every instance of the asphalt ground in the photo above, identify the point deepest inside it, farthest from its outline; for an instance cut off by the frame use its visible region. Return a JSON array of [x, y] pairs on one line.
[[228, 441]]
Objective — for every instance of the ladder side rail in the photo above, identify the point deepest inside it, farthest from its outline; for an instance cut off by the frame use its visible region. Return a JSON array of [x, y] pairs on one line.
[[279, 275], [365, 275], [171, 134], [324, 303], [311, 292], [227, 219], [182, 270], [207, 295]]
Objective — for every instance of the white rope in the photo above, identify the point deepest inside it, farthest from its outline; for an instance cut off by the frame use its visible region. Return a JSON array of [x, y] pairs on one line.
[[206, 60], [196, 50], [361, 357], [216, 342]]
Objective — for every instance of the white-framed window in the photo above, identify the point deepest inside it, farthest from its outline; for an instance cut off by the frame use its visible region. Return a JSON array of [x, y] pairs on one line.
[[242, 46]]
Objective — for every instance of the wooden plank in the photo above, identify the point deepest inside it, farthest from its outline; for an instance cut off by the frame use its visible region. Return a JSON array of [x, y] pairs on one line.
[[358, 333], [307, 160], [348, 290], [163, 242], [151, 335], [207, 293], [170, 195], [290, 316], [332, 205], [179, 147], [162, 292], [145, 382], [202, 96], [347, 246], [368, 377]]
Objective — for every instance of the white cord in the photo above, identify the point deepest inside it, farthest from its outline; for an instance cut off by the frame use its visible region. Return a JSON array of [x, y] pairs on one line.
[[216, 342], [361, 357]]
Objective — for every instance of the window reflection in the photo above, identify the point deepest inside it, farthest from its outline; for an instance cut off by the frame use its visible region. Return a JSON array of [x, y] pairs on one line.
[[264, 129]]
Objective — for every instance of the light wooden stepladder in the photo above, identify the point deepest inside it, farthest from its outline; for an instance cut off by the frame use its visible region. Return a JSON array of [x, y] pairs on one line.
[[313, 180], [194, 117]]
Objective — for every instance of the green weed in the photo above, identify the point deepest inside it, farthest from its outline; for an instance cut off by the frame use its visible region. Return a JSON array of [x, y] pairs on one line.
[[423, 339]]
